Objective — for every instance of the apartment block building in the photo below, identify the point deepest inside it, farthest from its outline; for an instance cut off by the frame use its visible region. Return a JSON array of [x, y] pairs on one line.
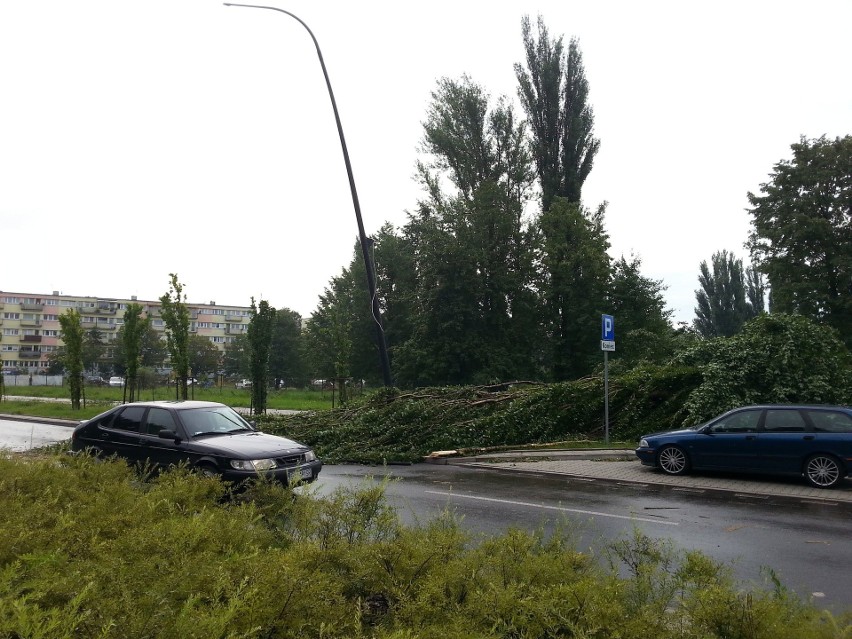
[[30, 330]]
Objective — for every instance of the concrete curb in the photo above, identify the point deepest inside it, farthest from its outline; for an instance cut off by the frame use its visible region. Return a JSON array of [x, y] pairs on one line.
[[71, 423]]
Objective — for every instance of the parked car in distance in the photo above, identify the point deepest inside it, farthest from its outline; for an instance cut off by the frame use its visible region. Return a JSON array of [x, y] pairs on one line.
[[116, 381], [95, 380], [208, 436], [243, 383], [189, 381], [810, 441]]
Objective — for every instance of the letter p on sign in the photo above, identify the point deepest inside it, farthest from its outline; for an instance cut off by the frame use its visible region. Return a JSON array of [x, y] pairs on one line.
[[607, 328]]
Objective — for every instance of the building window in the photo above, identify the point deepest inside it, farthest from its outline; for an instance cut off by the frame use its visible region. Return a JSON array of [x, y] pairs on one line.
[[217, 340], [9, 300], [12, 316], [50, 333], [10, 331]]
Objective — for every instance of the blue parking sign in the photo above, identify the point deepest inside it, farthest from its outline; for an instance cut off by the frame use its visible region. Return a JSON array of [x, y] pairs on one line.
[[607, 328]]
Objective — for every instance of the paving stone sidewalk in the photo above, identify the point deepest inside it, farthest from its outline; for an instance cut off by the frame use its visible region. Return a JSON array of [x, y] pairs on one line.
[[623, 467]]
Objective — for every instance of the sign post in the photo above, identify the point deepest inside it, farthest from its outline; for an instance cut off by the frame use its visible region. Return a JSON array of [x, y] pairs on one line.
[[607, 345]]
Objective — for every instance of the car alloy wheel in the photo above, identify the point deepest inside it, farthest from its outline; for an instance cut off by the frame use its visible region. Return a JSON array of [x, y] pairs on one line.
[[206, 470], [673, 461], [822, 471]]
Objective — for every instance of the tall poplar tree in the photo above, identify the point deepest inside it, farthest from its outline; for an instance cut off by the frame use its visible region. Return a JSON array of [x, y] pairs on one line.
[[176, 318], [259, 339], [134, 329], [726, 301], [554, 92], [73, 336]]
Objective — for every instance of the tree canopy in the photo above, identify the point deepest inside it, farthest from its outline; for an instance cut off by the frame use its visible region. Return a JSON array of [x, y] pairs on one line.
[[801, 234], [554, 92], [729, 296]]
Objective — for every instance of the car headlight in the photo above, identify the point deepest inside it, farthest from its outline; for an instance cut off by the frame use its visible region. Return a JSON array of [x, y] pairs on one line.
[[253, 464], [310, 456], [643, 443]]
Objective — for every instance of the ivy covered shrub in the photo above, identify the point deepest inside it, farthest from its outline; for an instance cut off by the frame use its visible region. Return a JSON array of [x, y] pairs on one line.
[[775, 359], [394, 426]]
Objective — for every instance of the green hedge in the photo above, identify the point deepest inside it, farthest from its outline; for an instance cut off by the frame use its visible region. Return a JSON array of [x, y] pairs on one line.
[[94, 550]]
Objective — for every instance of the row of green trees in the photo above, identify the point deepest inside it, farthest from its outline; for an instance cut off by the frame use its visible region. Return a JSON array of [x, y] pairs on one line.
[[140, 346], [502, 273]]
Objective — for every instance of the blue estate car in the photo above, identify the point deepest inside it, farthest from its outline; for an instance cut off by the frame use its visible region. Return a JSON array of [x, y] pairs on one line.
[[813, 441]]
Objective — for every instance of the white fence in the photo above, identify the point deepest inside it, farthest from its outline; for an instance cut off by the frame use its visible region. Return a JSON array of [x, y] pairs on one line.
[[33, 380]]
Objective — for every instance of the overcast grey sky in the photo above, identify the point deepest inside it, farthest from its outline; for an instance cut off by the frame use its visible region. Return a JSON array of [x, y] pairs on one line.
[[143, 138]]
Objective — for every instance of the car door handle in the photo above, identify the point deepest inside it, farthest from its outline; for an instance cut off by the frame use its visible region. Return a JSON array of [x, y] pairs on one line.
[[750, 437], [808, 438]]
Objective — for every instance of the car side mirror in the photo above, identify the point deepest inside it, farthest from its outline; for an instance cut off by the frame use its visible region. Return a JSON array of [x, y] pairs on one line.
[[168, 434]]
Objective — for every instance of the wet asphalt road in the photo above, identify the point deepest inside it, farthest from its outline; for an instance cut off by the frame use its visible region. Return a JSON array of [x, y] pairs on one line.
[[806, 544], [20, 435]]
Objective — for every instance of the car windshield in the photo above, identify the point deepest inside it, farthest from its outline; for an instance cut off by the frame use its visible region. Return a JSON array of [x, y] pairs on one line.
[[220, 420]]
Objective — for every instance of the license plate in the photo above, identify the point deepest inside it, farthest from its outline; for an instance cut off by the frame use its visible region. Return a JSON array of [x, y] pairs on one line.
[[300, 473]]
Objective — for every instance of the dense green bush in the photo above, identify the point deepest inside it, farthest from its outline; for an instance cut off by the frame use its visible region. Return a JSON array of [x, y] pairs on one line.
[[776, 358], [93, 550]]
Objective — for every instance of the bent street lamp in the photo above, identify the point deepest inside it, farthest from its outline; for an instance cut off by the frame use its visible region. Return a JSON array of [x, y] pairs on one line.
[[371, 279]]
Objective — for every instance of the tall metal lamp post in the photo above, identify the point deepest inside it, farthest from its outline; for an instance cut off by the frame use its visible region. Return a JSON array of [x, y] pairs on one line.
[[371, 279]]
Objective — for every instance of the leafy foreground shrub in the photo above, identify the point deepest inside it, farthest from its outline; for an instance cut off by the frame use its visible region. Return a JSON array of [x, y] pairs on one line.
[[91, 550]]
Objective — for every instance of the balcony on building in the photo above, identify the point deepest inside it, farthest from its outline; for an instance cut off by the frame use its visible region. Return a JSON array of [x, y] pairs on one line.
[[32, 307], [30, 322], [31, 338], [107, 308], [29, 354], [233, 318]]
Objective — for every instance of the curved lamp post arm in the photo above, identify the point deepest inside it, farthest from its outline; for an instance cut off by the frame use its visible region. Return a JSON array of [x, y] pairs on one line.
[[371, 279]]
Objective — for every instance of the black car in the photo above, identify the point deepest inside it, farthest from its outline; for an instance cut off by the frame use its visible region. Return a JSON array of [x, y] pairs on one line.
[[210, 437], [810, 441]]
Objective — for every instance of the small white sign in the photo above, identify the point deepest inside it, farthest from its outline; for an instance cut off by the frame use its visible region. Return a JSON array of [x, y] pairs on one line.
[[608, 345]]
